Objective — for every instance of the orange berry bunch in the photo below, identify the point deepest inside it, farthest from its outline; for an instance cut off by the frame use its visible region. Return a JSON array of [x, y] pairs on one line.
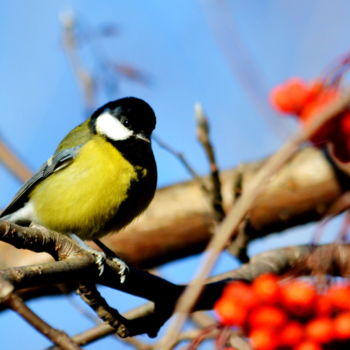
[[289, 315], [305, 101]]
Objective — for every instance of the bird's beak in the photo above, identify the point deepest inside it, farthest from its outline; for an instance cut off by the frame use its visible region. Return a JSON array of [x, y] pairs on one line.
[[143, 137]]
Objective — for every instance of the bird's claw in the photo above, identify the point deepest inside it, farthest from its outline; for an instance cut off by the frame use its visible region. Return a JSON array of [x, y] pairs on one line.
[[123, 269], [100, 259]]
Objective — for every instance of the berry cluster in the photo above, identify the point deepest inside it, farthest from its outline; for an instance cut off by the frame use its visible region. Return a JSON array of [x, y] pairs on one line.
[[287, 315], [305, 101]]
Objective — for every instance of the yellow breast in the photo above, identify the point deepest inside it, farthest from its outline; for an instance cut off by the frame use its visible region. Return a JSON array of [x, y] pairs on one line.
[[82, 197]]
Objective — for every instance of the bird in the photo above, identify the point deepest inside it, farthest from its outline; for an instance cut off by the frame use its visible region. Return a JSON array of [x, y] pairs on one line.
[[102, 175]]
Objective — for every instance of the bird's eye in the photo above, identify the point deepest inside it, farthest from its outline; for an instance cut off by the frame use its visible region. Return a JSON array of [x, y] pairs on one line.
[[125, 122]]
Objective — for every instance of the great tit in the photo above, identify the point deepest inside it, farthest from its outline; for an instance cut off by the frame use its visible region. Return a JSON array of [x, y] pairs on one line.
[[101, 176]]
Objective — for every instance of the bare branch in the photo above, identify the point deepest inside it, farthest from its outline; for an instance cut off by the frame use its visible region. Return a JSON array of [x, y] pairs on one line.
[[299, 193], [203, 137], [182, 159], [13, 163], [84, 77], [93, 298], [14, 302]]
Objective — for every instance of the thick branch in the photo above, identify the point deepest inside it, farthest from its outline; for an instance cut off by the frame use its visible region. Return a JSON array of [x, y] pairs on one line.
[[301, 192]]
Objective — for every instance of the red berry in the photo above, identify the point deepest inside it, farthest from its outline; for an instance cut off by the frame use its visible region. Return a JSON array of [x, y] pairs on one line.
[[320, 330], [242, 293], [298, 92], [267, 316], [298, 297], [289, 97], [280, 100], [315, 88], [267, 289], [323, 306], [230, 312], [308, 345], [315, 107], [342, 326], [339, 296], [321, 101], [291, 334], [263, 339]]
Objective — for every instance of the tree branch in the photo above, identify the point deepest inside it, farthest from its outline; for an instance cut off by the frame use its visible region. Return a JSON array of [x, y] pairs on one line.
[[203, 138], [300, 192], [14, 302]]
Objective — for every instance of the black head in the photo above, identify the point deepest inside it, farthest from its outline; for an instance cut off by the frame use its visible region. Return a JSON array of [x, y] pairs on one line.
[[123, 119]]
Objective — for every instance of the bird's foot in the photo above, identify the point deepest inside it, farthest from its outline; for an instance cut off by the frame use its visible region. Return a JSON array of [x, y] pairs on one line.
[[100, 257], [123, 269], [122, 265]]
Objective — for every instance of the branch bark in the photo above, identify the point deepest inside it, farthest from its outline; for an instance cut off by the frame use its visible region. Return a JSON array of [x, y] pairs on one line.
[[301, 192]]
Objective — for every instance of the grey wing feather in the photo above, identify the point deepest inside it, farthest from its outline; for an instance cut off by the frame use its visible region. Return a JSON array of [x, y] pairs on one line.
[[55, 163]]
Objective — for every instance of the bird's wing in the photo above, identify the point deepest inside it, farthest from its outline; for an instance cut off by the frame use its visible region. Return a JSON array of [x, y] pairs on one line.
[[55, 163]]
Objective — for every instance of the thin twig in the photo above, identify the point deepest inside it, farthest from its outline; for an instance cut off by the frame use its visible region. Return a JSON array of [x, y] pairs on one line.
[[58, 337], [93, 298], [202, 319], [104, 329], [197, 336], [14, 302], [237, 213], [182, 159], [340, 205], [239, 342], [84, 77], [13, 163], [203, 137], [223, 337], [82, 310]]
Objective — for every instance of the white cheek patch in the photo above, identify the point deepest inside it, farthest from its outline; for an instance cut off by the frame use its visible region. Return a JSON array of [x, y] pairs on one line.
[[111, 127]]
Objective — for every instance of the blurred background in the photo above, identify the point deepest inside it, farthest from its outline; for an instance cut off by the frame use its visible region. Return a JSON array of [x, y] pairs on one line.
[[62, 59]]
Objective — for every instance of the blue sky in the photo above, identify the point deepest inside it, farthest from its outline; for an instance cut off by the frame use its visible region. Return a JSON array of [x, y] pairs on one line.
[[225, 54]]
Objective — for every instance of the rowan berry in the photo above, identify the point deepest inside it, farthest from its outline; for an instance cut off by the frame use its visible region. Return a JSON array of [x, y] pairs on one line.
[[263, 339], [230, 312], [291, 334], [342, 326], [289, 97], [266, 287], [308, 345], [320, 330], [267, 316], [298, 297], [323, 305], [242, 292], [339, 296]]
